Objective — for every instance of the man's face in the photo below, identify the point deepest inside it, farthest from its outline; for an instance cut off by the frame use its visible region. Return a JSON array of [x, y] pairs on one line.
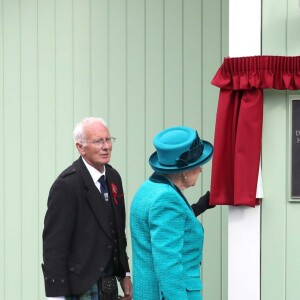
[[96, 154]]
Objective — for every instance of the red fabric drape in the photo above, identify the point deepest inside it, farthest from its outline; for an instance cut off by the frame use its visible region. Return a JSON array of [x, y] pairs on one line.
[[238, 130]]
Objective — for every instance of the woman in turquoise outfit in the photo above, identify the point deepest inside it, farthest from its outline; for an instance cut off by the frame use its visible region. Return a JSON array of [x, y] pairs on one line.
[[167, 238]]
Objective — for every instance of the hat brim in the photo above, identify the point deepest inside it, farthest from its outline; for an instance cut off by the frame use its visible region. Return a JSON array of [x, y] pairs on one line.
[[163, 169]]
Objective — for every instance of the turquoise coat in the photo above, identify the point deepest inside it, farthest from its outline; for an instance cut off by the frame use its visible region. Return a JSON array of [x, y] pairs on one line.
[[167, 242]]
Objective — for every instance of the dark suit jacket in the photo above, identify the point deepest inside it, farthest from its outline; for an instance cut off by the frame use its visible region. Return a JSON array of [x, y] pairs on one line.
[[77, 244]]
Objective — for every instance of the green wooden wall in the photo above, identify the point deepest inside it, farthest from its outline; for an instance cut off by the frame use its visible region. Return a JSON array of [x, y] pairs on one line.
[[280, 217], [140, 64]]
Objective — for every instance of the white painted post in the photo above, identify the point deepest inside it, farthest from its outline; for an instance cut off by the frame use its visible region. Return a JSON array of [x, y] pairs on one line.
[[244, 222]]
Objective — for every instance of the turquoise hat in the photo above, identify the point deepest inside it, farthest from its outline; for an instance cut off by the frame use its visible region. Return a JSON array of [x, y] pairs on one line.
[[179, 149]]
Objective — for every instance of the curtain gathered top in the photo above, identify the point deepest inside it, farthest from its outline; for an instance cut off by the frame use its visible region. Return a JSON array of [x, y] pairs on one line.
[[238, 130], [260, 72]]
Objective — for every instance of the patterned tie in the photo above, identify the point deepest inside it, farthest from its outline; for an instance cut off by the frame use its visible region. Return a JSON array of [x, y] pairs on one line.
[[103, 187]]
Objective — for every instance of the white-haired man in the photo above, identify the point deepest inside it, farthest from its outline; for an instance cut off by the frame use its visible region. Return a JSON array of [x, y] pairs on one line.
[[84, 241]]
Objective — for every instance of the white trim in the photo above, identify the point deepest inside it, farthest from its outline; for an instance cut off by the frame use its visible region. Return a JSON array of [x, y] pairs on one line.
[[244, 222], [244, 253], [244, 27]]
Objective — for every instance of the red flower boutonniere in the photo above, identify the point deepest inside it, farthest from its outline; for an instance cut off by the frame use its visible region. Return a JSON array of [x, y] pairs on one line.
[[114, 190]]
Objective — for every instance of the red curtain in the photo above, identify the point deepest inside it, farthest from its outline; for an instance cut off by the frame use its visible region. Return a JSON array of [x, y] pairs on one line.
[[239, 119]]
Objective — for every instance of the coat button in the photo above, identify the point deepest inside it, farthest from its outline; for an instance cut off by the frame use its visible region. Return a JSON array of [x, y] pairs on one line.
[[109, 247], [101, 270], [71, 269]]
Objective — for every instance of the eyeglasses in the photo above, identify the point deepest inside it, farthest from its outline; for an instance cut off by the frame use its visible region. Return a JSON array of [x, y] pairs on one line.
[[101, 142]]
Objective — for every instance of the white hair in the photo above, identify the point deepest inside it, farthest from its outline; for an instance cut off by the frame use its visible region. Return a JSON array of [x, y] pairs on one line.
[[78, 133]]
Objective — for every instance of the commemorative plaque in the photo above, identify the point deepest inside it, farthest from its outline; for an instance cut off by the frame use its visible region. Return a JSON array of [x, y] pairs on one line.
[[295, 161]]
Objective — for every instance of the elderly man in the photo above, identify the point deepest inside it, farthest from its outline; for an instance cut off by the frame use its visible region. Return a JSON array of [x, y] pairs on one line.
[[84, 241]]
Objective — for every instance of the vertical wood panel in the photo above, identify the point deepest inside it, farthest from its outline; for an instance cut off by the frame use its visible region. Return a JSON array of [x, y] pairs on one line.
[[99, 58], [212, 59], [12, 149], [274, 16], [135, 92], [292, 251], [224, 210], [2, 159], [293, 24], [212, 219], [273, 247], [117, 83], [46, 108], [192, 64], [135, 100], [173, 62], [138, 64], [82, 58], [29, 149], [293, 208], [154, 81], [274, 208], [64, 77], [192, 77]]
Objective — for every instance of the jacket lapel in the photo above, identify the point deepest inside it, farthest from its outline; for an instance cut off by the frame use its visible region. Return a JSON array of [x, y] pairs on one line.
[[94, 197], [114, 190]]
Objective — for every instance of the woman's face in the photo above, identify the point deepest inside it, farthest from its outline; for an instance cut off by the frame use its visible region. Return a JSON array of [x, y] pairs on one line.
[[191, 176]]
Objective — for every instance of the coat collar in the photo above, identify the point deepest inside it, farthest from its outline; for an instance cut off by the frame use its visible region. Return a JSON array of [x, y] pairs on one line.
[[158, 178], [95, 174]]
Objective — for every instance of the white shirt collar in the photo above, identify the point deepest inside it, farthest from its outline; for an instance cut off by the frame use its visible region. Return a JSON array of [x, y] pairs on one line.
[[94, 172]]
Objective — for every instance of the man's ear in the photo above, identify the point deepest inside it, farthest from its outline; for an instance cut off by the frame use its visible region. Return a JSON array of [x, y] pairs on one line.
[[80, 148]]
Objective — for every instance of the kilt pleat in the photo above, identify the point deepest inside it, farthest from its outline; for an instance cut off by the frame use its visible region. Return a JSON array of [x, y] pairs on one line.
[[90, 294]]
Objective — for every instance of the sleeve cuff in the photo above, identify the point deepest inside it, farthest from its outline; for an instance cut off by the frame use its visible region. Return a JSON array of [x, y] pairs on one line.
[[126, 275]]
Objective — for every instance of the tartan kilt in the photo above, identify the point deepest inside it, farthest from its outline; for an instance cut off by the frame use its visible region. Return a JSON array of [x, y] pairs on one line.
[[94, 293], [91, 294]]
